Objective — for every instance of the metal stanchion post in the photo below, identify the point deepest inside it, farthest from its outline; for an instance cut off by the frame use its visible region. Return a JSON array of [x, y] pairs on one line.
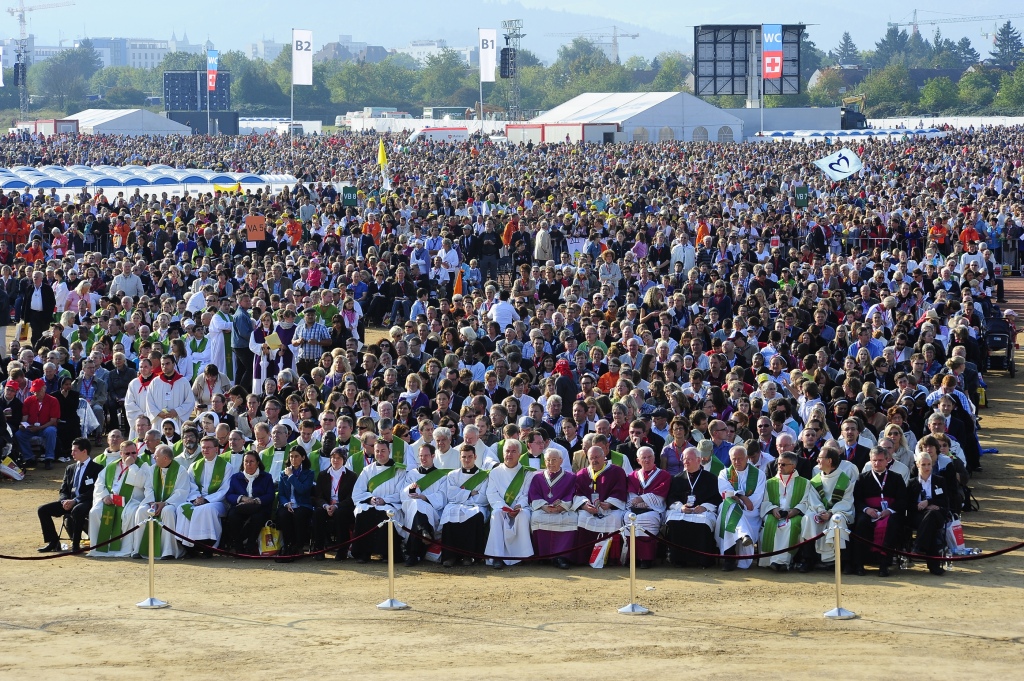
[[838, 612], [391, 603], [152, 602], [632, 608]]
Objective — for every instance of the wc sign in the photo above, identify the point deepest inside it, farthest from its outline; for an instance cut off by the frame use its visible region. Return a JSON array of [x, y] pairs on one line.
[[771, 51]]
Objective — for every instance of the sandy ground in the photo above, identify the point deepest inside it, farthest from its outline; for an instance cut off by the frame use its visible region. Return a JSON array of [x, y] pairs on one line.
[[242, 619]]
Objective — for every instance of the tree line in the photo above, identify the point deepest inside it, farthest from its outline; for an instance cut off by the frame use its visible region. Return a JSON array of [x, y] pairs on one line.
[[994, 83]]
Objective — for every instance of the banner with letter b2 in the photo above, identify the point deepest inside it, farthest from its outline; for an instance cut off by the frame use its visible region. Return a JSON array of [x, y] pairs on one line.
[[771, 51], [302, 57]]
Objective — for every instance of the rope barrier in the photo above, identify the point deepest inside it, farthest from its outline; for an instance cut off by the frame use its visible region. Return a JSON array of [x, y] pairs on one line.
[[522, 559], [951, 559], [729, 556], [79, 552], [249, 556]]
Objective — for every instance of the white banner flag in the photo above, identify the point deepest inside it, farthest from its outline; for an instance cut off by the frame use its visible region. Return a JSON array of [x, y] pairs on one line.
[[839, 165], [302, 57], [488, 45], [1, 69]]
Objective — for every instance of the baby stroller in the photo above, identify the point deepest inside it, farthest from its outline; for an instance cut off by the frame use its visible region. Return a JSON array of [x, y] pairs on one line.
[[1000, 341]]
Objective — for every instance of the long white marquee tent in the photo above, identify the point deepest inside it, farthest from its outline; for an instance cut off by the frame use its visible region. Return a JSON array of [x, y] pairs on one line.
[[61, 177]]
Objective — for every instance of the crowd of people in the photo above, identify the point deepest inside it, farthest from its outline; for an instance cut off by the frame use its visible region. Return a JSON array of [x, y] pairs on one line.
[[511, 348]]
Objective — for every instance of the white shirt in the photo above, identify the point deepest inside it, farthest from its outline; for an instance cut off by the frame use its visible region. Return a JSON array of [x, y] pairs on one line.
[[37, 299], [502, 312]]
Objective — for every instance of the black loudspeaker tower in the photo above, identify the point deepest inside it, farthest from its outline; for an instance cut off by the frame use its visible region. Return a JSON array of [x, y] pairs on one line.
[[508, 62]]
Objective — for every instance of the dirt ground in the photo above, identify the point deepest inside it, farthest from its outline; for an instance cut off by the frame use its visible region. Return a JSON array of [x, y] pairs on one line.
[[242, 619]]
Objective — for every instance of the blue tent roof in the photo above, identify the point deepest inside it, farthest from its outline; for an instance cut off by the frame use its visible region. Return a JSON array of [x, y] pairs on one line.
[[55, 177]]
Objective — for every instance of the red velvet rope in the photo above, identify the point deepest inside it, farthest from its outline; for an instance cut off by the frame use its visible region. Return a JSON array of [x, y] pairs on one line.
[[64, 554]]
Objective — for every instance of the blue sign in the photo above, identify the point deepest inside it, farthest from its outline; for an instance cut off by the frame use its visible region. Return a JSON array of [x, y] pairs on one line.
[[211, 60], [771, 38]]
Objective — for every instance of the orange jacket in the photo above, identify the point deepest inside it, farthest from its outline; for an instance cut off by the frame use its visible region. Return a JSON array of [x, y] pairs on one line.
[[294, 231]]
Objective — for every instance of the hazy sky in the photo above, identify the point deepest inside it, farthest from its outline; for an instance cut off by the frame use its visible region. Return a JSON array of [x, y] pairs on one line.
[[236, 25]]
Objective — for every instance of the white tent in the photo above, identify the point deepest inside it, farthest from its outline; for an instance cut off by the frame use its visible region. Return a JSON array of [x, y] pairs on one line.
[[649, 116], [132, 122]]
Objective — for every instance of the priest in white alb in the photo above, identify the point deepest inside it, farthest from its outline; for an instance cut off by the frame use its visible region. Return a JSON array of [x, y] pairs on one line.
[[220, 338], [739, 517], [834, 481], [200, 518], [507, 489], [463, 523], [169, 395], [788, 500], [116, 497], [422, 503], [167, 487]]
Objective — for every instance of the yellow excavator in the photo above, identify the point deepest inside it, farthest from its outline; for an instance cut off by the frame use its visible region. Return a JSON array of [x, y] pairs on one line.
[[853, 118]]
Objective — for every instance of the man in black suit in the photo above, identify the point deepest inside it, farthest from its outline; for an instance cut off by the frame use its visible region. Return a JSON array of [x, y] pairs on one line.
[[879, 495], [37, 305], [75, 498]]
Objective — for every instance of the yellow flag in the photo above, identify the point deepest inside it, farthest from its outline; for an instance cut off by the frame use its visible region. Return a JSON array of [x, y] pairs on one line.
[[230, 188], [382, 155]]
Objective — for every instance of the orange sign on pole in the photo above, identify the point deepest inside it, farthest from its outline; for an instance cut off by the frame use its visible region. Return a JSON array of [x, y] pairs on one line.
[[255, 227]]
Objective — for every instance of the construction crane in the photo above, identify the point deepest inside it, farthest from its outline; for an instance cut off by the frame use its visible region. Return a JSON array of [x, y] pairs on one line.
[[598, 33], [22, 53], [951, 20]]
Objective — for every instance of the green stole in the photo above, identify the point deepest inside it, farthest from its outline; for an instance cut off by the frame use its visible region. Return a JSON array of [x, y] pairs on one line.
[[771, 523], [716, 466], [87, 340], [268, 457], [515, 486], [432, 477], [110, 520], [732, 511], [474, 481], [376, 481], [194, 348], [838, 492], [220, 466], [228, 361], [314, 454], [355, 454], [524, 461], [119, 338], [160, 493], [398, 456], [617, 458]]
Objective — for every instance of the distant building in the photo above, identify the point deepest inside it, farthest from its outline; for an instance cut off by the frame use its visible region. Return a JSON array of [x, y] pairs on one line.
[[421, 50], [267, 50], [372, 54]]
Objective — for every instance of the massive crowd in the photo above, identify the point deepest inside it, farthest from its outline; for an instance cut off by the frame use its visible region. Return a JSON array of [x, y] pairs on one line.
[[570, 333]]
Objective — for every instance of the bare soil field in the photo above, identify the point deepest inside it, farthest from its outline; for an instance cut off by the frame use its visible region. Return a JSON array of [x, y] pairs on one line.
[[240, 619]]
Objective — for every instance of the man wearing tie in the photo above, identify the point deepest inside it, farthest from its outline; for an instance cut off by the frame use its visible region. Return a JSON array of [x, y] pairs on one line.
[[75, 498], [38, 305]]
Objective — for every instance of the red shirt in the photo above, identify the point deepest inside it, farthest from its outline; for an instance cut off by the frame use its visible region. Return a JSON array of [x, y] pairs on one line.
[[34, 412]]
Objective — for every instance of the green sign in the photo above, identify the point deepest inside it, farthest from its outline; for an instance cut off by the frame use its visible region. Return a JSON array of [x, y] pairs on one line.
[[800, 196], [348, 196]]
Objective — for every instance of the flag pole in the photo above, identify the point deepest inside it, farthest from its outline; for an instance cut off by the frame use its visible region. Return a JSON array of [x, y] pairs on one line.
[[480, 77], [291, 121]]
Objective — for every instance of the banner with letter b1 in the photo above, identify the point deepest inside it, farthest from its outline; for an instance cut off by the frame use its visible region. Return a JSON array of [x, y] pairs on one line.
[[488, 45]]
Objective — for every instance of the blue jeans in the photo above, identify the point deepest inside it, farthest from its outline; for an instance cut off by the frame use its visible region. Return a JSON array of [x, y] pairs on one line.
[[400, 310], [49, 436]]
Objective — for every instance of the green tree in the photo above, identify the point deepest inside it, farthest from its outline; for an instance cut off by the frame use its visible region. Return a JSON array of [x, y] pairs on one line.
[[672, 73], [182, 61], [811, 58], [846, 52], [939, 94], [124, 96], [826, 89], [889, 90], [1008, 50], [976, 88], [87, 58], [966, 53], [919, 51], [892, 45], [577, 61], [636, 63], [1011, 90], [440, 77]]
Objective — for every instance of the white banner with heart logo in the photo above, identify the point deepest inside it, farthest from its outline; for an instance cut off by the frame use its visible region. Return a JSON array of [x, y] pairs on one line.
[[839, 165]]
